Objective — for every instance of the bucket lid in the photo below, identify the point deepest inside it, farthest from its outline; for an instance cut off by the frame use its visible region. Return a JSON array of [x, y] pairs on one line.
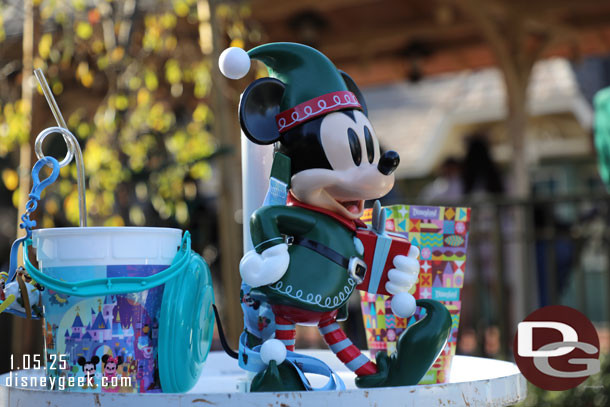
[[186, 325], [103, 246]]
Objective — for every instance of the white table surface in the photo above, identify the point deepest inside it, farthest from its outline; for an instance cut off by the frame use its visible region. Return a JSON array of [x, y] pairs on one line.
[[474, 382]]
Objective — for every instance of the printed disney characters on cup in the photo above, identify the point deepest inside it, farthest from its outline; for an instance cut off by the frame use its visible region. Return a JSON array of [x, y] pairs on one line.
[[89, 367], [307, 258], [110, 372]]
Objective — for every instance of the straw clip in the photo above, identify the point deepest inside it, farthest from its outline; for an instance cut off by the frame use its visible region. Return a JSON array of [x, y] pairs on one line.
[[74, 150]]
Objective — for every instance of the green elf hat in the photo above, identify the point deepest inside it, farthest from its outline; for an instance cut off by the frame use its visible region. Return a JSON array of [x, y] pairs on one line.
[[314, 86]]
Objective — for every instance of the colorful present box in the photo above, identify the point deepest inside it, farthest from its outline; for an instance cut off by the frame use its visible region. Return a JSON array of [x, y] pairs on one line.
[[379, 251], [441, 233]]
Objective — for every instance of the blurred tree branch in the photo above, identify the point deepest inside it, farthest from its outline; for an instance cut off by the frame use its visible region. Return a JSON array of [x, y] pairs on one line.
[[134, 84]]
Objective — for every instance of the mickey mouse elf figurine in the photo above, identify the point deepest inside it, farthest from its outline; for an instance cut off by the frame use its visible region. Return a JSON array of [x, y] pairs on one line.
[[307, 259]]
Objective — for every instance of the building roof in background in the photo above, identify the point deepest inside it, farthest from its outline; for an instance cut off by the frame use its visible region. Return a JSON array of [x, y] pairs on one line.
[[415, 119], [382, 41]]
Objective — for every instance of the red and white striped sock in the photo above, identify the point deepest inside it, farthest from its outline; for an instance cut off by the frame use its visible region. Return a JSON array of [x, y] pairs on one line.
[[285, 332], [345, 350]]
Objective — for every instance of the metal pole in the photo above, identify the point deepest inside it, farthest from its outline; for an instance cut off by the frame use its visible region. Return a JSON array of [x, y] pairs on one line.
[[500, 282], [256, 163]]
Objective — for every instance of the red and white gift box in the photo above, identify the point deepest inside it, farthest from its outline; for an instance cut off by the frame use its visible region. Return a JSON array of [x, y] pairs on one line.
[[379, 253]]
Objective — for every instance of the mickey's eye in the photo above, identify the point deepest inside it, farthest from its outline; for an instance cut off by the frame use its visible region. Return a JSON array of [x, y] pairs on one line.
[[354, 146], [370, 145]]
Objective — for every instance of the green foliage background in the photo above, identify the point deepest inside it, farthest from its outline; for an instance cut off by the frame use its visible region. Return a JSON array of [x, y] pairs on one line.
[[133, 80]]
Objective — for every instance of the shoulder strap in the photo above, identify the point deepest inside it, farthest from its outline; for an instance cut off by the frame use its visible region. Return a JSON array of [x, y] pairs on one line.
[[250, 360]]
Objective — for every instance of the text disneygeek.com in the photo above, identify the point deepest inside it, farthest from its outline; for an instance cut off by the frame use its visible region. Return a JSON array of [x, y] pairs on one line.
[[14, 379]]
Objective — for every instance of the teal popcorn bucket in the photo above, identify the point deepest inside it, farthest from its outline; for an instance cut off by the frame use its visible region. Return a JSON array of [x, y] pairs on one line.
[[126, 309]]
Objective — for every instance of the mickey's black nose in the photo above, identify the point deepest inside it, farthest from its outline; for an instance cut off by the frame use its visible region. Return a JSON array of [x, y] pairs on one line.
[[388, 162]]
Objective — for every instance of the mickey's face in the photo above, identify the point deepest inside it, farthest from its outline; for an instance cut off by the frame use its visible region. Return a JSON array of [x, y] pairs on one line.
[[344, 169], [88, 365], [335, 158]]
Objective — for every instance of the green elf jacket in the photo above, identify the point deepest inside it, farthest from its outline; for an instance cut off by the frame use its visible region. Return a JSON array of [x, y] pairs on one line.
[[312, 281]]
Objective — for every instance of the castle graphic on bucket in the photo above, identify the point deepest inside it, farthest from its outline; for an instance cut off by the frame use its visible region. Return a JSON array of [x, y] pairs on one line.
[[92, 333], [106, 342]]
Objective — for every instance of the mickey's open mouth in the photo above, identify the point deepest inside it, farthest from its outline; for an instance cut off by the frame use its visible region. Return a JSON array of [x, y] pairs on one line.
[[354, 207]]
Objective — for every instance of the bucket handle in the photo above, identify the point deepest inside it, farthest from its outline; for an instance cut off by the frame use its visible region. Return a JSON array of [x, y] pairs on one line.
[[111, 285]]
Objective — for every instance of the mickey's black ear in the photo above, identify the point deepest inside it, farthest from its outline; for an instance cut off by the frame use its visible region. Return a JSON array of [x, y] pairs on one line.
[[259, 105], [95, 360], [352, 87], [81, 361]]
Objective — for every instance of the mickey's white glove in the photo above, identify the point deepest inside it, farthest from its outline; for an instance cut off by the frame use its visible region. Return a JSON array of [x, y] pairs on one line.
[[400, 280], [266, 268]]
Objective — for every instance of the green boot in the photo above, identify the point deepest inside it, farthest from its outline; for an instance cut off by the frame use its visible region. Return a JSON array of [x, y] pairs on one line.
[[416, 350], [277, 378]]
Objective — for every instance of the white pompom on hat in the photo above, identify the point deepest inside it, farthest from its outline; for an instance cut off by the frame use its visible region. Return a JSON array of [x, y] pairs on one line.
[[234, 63]]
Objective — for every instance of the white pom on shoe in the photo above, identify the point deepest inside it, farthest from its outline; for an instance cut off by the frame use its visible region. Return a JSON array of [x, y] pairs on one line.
[[234, 63], [273, 349]]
